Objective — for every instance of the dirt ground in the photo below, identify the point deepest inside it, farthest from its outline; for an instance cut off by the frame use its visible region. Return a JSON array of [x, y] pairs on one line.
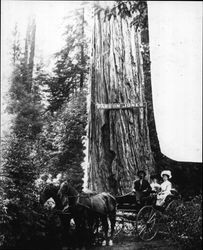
[[125, 245], [133, 243]]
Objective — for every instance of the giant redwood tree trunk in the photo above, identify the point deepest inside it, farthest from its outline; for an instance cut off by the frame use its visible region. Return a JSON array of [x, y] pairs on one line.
[[119, 142]]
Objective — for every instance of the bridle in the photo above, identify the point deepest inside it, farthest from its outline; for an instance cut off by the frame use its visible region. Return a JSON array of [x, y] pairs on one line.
[[78, 199]]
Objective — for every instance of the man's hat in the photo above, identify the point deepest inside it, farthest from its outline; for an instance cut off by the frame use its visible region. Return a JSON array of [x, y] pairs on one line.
[[141, 171], [166, 172]]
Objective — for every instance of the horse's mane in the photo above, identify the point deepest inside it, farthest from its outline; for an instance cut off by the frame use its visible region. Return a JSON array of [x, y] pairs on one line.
[[88, 193]]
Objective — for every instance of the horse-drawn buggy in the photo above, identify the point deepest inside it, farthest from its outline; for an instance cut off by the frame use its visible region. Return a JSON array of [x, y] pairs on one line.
[[146, 219], [93, 211]]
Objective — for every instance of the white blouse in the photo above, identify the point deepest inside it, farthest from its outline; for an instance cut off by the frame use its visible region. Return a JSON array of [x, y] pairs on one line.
[[166, 187]]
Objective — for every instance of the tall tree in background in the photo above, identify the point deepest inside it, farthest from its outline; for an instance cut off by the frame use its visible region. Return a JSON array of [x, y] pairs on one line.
[[16, 51], [67, 104], [119, 142], [26, 115], [19, 167], [22, 104], [72, 64], [67, 133]]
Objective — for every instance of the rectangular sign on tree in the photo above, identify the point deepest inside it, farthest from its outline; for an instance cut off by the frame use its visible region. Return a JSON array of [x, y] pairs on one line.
[[119, 105]]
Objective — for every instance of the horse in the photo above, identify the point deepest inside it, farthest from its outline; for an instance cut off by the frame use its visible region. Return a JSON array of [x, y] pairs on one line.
[[51, 191], [87, 208]]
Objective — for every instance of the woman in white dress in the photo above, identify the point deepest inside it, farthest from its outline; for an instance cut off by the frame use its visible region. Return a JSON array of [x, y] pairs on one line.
[[166, 187]]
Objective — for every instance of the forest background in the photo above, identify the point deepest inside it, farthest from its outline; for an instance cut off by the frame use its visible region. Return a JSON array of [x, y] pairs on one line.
[[46, 129]]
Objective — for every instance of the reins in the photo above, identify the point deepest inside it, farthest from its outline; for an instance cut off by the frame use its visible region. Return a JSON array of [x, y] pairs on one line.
[[86, 195]]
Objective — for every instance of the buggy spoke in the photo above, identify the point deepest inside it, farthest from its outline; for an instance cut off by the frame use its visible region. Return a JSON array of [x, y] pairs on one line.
[[146, 223]]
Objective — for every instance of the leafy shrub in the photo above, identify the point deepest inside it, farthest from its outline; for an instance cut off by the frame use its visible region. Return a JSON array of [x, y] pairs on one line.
[[4, 218], [186, 224], [28, 228], [19, 225]]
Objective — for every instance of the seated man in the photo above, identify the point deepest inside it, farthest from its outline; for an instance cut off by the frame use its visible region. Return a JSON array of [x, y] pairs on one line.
[[142, 187]]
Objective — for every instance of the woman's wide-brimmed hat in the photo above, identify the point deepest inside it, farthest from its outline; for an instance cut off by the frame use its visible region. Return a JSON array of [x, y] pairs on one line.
[[141, 171], [166, 172]]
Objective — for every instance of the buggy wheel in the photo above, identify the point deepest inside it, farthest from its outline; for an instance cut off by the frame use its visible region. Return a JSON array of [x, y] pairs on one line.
[[172, 205], [146, 223], [169, 212]]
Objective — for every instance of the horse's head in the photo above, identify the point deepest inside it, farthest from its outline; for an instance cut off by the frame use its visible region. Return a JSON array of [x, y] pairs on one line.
[[67, 193], [63, 190], [49, 191]]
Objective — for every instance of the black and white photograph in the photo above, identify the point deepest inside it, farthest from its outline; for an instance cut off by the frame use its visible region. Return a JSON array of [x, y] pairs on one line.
[[101, 125]]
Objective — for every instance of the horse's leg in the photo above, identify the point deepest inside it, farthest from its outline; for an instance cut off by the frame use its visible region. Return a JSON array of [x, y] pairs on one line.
[[88, 226], [91, 225], [79, 231], [65, 221], [112, 218], [97, 223], [105, 227], [83, 227]]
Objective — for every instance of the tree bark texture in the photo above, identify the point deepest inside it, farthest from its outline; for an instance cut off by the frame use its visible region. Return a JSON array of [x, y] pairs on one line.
[[119, 142]]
